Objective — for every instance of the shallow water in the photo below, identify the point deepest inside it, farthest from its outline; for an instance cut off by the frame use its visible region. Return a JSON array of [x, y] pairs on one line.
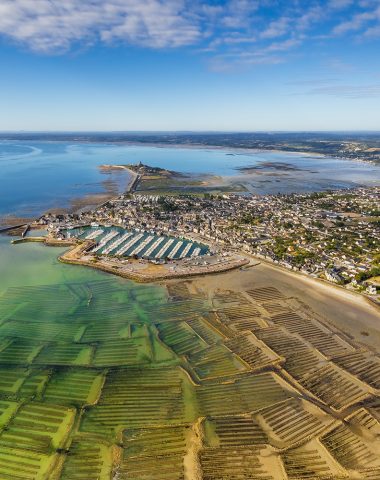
[[36, 176], [31, 264]]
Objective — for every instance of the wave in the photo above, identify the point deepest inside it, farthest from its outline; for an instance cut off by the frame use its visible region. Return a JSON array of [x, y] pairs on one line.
[[34, 151]]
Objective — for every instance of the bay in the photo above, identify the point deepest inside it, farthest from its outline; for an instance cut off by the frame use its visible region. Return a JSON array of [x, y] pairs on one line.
[[41, 175]]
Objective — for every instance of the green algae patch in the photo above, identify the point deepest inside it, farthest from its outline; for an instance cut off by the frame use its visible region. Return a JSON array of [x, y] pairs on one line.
[[65, 354], [87, 459], [38, 427], [7, 411], [16, 463], [210, 435], [74, 386], [137, 398], [19, 352], [123, 352], [34, 385], [11, 380], [83, 365]]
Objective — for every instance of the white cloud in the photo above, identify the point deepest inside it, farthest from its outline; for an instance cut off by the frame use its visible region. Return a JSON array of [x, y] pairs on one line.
[[238, 13], [373, 32], [51, 25], [272, 54], [340, 4], [237, 62], [309, 17], [359, 21], [277, 28], [348, 91], [241, 32]]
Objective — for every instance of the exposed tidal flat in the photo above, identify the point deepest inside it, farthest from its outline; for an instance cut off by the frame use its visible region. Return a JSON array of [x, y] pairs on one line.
[[44, 175], [253, 374]]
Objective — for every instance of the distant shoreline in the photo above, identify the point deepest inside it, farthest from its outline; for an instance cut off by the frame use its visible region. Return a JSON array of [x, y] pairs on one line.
[[197, 146], [92, 200]]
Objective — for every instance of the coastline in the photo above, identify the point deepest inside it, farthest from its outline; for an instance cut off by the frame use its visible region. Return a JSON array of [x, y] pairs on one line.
[[322, 281], [131, 185], [201, 146], [92, 200], [76, 255], [89, 201], [236, 183], [239, 150], [350, 312], [296, 273], [319, 294], [141, 277]]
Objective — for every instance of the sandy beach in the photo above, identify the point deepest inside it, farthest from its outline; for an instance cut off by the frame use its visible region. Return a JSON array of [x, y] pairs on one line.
[[350, 312]]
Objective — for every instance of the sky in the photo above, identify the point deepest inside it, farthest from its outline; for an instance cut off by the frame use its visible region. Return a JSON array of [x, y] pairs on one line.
[[166, 65]]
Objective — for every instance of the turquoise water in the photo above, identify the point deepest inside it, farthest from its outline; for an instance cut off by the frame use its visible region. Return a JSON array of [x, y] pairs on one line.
[[36, 176], [33, 264]]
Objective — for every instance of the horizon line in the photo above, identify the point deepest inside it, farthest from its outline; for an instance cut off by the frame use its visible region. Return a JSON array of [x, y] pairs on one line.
[[181, 131]]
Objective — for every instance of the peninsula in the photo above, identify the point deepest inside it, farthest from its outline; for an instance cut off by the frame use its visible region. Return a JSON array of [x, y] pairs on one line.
[[331, 236]]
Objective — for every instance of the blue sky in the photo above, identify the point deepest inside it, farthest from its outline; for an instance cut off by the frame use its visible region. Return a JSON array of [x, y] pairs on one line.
[[232, 65]]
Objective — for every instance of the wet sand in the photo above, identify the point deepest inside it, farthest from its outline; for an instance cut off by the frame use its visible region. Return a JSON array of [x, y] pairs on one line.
[[10, 221], [350, 312]]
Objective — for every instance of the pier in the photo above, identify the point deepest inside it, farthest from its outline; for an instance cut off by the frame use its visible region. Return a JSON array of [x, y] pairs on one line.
[[177, 246], [103, 242], [142, 245], [14, 227], [165, 248], [114, 245], [94, 234], [129, 244], [25, 231], [186, 250], [154, 246], [25, 226], [133, 185]]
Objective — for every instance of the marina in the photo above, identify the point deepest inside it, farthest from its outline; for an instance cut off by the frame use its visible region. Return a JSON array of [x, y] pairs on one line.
[[154, 245], [114, 245], [118, 242], [105, 240], [94, 234], [175, 249]]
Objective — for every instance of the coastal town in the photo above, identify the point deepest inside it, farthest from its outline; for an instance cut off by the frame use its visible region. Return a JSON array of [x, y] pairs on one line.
[[328, 235], [190, 240]]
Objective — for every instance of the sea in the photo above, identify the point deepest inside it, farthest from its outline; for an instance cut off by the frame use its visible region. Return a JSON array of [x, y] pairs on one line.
[[44, 175]]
